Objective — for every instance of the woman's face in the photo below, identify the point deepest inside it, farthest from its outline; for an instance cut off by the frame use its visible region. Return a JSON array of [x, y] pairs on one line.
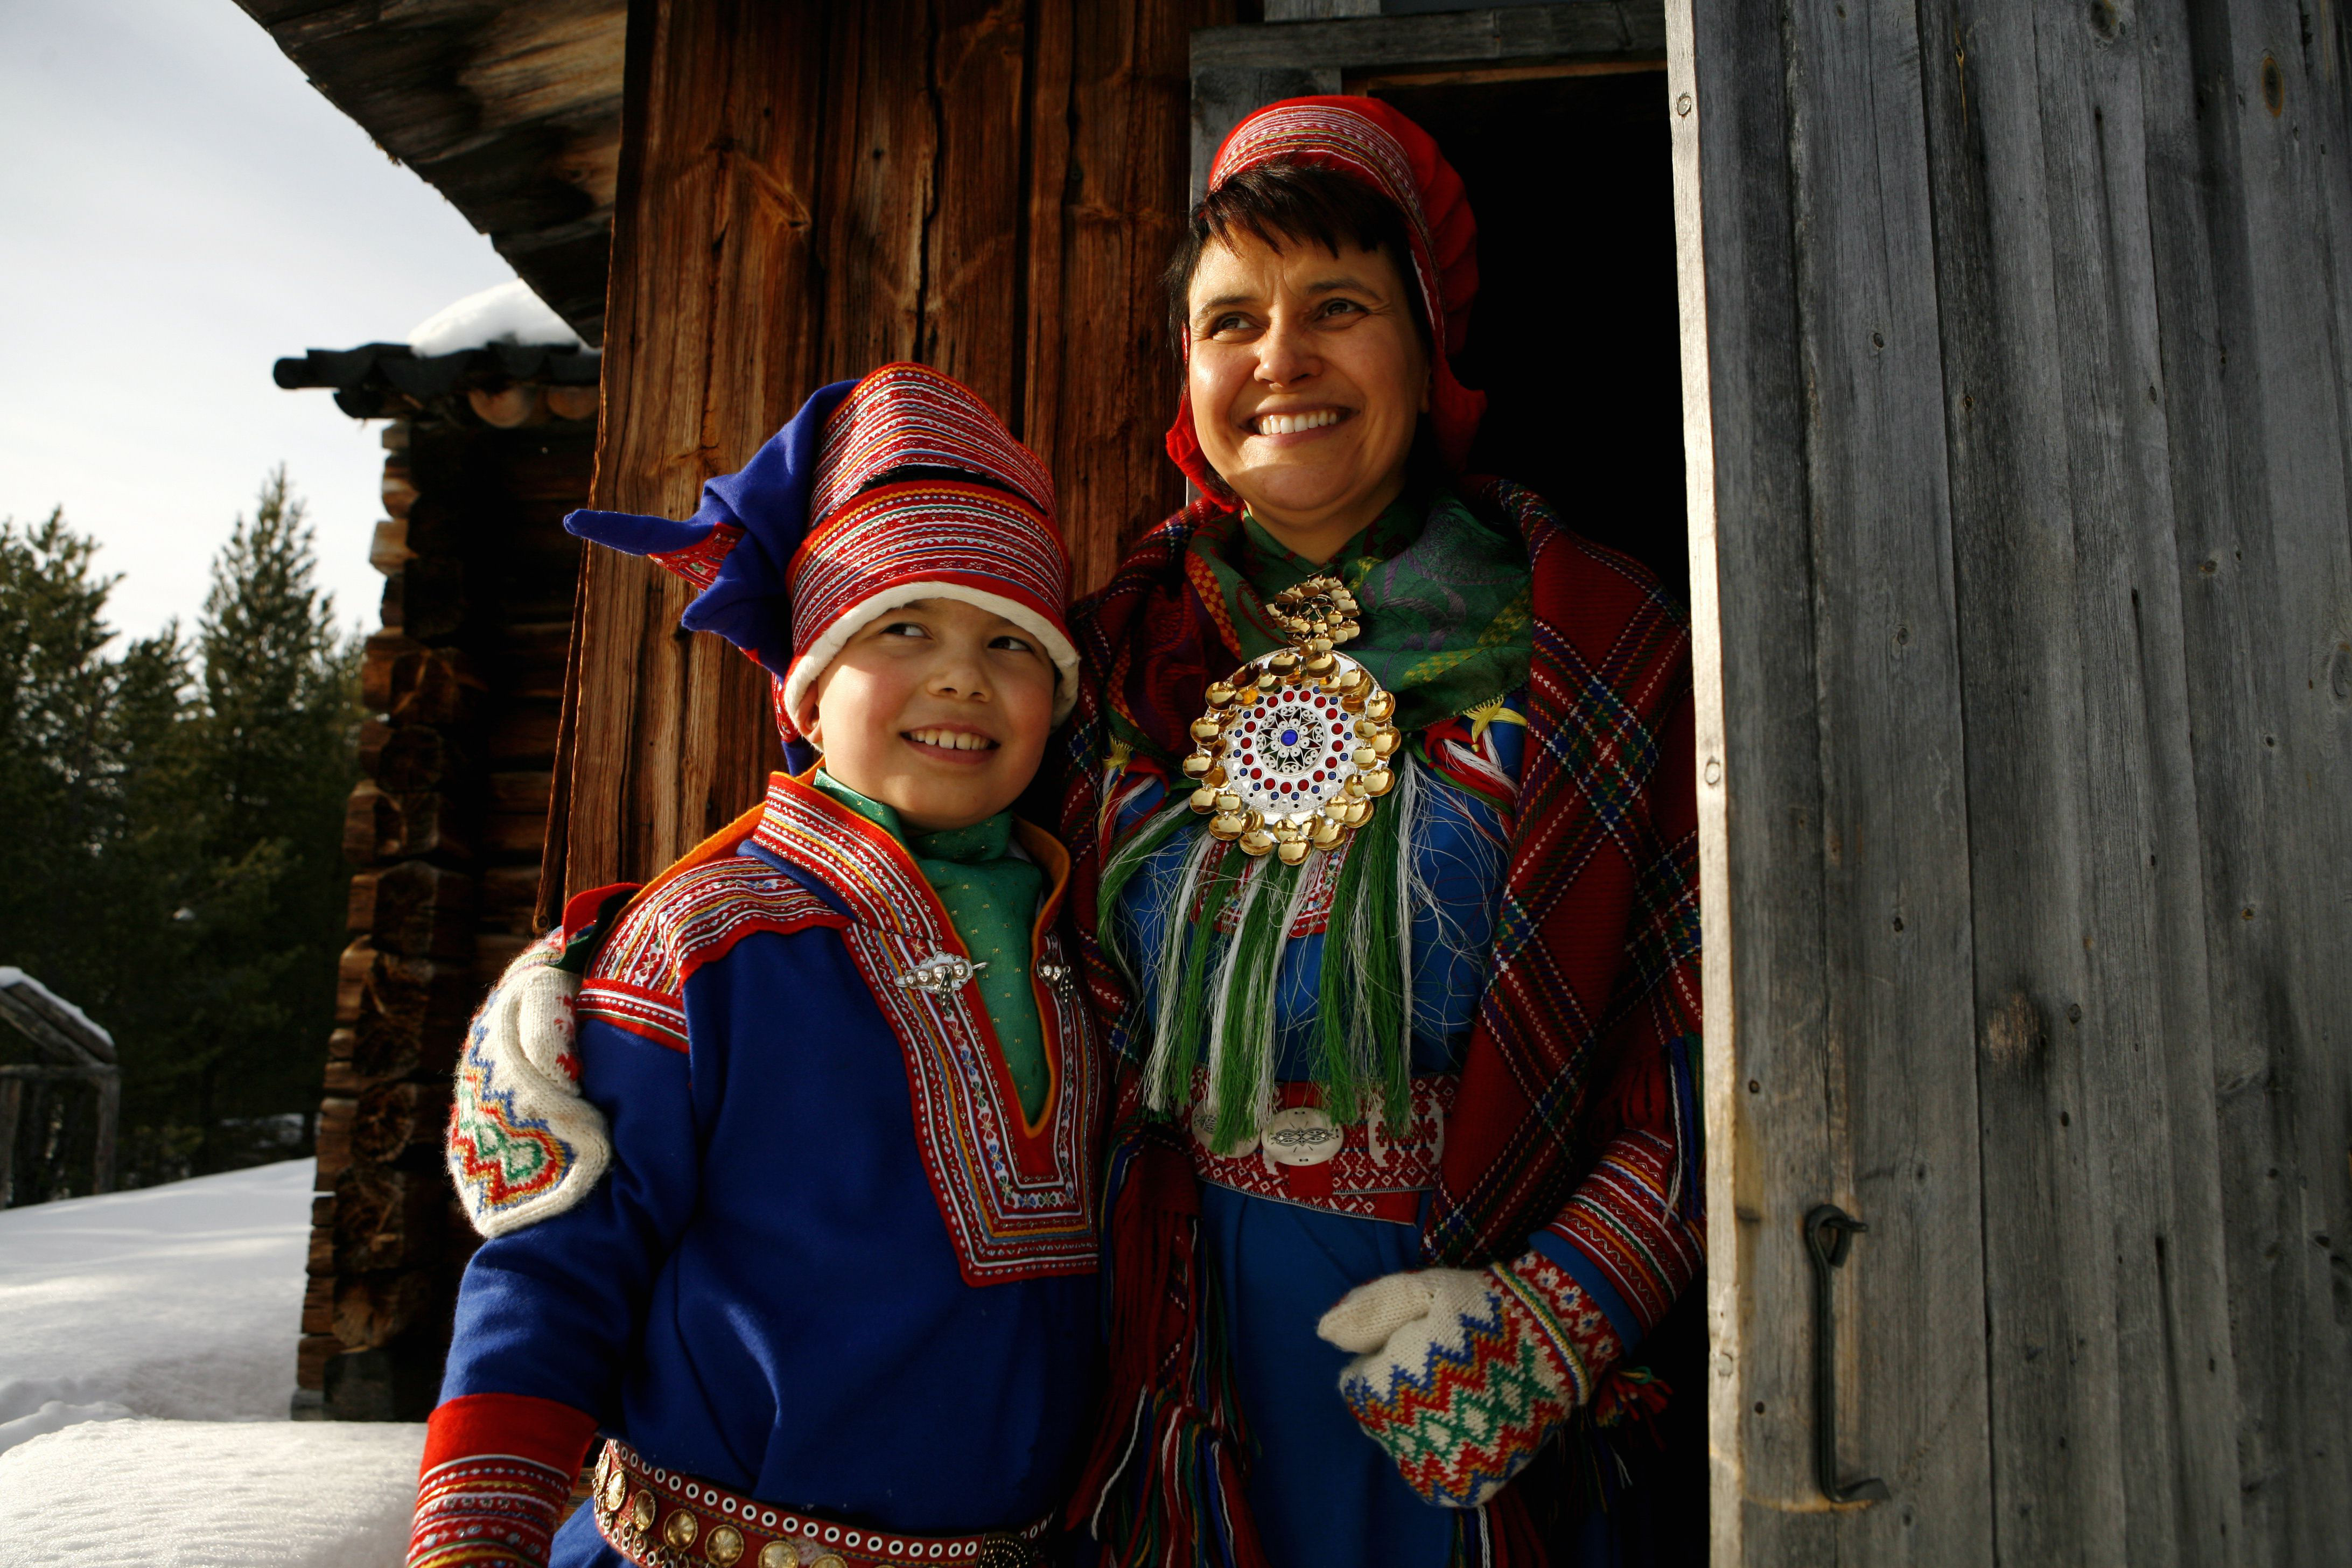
[[1307, 380]]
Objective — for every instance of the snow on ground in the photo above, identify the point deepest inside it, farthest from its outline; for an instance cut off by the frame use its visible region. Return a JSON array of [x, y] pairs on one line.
[[510, 313], [146, 1362], [183, 1300], [317, 1494]]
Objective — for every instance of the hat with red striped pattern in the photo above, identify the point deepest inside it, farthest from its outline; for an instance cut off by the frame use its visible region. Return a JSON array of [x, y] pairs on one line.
[[899, 487]]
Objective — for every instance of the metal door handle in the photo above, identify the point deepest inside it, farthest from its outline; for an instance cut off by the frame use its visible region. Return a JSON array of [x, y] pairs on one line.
[[1829, 1233]]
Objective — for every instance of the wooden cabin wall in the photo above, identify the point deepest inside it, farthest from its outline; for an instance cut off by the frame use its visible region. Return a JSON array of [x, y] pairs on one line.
[[807, 191], [463, 684], [2019, 383]]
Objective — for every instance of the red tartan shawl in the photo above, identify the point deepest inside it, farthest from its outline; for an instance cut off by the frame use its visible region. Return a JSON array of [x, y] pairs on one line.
[[1594, 975]]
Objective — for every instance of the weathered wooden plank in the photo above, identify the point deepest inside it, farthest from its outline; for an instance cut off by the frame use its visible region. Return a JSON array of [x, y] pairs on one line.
[[971, 325], [1896, 1086], [875, 185], [1760, 816], [1519, 32], [713, 322], [1821, 537], [2251, 238], [1108, 130], [2102, 1212]]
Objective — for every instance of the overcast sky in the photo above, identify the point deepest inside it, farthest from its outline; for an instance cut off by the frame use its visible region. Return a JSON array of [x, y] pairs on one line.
[[178, 209]]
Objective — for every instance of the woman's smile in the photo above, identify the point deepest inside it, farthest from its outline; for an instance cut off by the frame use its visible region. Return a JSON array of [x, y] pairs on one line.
[[1296, 423], [1307, 379]]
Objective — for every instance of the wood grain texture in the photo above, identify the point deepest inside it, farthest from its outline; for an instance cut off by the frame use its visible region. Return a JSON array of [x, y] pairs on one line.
[[1109, 140], [2064, 596], [809, 192], [714, 321], [2107, 1316], [1516, 32], [2253, 240]]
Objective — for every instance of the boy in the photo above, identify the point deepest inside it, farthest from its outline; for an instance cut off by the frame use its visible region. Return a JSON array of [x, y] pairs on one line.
[[813, 1238]]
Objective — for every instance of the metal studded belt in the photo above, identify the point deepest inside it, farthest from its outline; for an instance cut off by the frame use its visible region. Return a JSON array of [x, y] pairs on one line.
[[659, 1519], [1301, 1156]]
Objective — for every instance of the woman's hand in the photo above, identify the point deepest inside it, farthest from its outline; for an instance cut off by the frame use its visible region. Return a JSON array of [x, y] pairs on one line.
[[1461, 1374]]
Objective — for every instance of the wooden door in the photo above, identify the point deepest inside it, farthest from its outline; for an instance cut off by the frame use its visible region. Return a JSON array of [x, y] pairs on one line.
[[2015, 376]]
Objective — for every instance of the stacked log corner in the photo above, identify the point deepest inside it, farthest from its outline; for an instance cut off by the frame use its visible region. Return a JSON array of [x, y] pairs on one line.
[[463, 685]]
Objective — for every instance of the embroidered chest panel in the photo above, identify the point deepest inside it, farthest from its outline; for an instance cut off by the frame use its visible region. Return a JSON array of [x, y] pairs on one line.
[[1018, 1201]]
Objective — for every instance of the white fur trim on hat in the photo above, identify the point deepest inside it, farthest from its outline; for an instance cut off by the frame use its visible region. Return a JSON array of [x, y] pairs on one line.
[[811, 662]]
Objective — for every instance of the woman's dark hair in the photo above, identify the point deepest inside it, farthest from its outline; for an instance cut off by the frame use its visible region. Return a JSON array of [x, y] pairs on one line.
[[1283, 204]]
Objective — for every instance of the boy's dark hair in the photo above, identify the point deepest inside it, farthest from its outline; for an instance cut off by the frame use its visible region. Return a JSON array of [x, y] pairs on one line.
[[1283, 204]]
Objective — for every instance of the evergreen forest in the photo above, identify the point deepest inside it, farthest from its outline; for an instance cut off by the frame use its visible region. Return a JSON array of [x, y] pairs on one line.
[[171, 811]]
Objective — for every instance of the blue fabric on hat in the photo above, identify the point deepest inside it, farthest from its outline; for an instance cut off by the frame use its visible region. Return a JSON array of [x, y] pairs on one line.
[[749, 604]]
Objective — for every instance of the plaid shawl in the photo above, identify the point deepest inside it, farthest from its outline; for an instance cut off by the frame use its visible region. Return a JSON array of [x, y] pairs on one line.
[[1589, 1023]]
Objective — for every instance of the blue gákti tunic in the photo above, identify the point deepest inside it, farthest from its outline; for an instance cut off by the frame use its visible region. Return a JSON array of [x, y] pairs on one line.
[[797, 1278], [1322, 1494]]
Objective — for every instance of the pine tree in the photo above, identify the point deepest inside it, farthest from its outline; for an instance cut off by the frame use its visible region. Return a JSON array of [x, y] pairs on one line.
[[271, 763], [171, 858]]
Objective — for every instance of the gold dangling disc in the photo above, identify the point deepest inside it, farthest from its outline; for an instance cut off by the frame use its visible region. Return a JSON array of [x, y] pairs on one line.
[[1295, 745]]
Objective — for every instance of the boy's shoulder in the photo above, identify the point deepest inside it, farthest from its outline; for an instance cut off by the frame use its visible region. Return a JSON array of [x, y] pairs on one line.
[[690, 915]]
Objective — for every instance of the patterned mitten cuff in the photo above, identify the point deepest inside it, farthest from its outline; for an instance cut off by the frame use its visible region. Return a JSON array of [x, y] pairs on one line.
[[1461, 1374]]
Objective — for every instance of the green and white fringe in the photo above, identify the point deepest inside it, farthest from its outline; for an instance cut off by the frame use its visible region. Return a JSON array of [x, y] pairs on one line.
[[1224, 990]]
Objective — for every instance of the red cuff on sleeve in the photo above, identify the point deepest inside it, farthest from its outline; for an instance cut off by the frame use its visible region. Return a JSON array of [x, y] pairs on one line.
[[542, 1430], [497, 1470]]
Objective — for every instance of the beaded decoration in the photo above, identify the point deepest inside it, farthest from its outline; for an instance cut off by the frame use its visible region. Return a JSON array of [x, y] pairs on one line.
[[1295, 745]]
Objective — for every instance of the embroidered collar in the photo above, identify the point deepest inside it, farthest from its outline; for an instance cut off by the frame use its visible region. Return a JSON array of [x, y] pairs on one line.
[[858, 866]]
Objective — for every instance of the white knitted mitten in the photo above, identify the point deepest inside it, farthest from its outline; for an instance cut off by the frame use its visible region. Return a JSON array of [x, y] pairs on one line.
[[1460, 1374]]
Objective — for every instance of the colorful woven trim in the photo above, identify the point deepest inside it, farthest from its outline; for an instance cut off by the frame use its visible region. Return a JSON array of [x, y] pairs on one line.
[[1622, 1219], [659, 1519], [497, 1472], [698, 563], [1366, 1173], [907, 416], [926, 539], [690, 916], [1018, 1199], [488, 1512]]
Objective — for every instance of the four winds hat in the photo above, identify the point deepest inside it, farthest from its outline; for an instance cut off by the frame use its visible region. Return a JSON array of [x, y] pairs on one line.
[[900, 487]]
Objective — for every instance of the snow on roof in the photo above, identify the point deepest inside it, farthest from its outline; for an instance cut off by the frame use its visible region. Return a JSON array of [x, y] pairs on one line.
[[12, 977], [510, 313]]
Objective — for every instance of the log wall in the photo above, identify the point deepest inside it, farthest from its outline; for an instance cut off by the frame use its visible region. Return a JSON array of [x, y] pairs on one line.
[[991, 187], [463, 684]]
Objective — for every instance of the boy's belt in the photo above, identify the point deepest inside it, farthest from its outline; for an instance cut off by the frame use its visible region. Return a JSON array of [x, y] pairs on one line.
[[659, 1519]]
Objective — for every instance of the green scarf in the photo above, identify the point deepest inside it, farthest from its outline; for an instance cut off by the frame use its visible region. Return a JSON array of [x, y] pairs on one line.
[[1446, 597], [990, 896], [1447, 625]]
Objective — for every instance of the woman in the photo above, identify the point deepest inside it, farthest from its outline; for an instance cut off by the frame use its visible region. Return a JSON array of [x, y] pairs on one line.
[[1398, 924]]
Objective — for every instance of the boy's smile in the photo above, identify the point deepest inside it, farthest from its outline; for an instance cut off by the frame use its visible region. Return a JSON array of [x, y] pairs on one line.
[[938, 709]]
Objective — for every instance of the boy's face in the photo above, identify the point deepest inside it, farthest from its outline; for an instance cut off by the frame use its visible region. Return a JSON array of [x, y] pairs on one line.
[[938, 709]]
